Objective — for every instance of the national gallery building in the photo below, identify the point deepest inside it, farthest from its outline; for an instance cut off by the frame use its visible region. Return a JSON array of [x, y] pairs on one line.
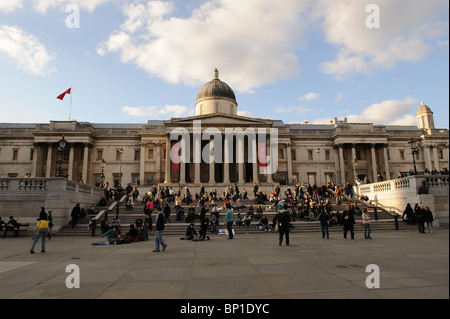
[[141, 154]]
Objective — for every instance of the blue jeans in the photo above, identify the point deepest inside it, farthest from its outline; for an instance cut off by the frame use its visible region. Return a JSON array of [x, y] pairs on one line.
[[159, 240], [41, 232]]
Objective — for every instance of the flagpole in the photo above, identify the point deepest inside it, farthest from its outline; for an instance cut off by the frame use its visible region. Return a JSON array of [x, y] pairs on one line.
[[70, 108]]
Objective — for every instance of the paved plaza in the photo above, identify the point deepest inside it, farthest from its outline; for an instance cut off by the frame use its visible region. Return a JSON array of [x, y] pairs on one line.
[[411, 265]]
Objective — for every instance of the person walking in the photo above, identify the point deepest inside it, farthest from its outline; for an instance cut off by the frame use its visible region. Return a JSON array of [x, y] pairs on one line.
[[283, 219], [159, 229], [42, 229], [324, 219], [229, 219], [366, 224]]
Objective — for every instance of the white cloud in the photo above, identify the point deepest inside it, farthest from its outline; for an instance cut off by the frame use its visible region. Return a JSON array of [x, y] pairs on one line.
[[395, 112], [339, 97], [10, 5], [407, 27], [309, 97], [158, 111], [30, 55], [251, 42]]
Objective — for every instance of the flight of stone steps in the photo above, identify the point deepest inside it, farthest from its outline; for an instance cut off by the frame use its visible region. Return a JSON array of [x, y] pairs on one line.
[[127, 217]]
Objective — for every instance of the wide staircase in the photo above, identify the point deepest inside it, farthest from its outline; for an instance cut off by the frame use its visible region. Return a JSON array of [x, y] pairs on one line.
[[380, 220]]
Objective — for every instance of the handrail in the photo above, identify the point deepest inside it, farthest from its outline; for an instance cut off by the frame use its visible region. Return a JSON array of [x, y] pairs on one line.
[[394, 216], [94, 220]]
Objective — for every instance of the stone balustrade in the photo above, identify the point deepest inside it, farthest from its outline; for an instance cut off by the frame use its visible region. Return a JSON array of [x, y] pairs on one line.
[[23, 198]]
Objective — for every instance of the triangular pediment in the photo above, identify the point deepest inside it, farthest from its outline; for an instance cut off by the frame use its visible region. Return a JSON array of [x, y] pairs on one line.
[[219, 120]]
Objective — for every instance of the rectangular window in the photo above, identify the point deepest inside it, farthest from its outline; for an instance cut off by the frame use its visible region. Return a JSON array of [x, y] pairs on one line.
[[402, 155], [31, 154], [150, 153], [310, 155], [293, 156], [99, 155], [137, 155], [15, 154], [441, 154], [327, 155]]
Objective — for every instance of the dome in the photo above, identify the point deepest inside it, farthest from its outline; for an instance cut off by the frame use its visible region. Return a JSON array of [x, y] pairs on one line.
[[423, 109], [216, 89]]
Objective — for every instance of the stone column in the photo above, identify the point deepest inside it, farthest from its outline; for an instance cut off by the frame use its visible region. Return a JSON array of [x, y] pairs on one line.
[[336, 164], [197, 153], [49, 161], [226, 166], [386, 162], [168, 175], [158, 162], [212, 167], [35, 157], [85, 163], [427, 157], [374, 164], [240, 160], [289, 163], [269, 149], [435, 158], [355, 173], [71, 155], [341, 163], [142, 164], [182, 165], [255, 160]]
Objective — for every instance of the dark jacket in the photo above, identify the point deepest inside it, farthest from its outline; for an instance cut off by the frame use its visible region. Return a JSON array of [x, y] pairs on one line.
[[284, 219], [159, 222], [324, 218], [348, 217]]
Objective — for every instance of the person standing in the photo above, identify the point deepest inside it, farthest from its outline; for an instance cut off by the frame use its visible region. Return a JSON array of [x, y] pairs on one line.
[[42, 229], [429, 219], [75, 214], [420, 216], [366, 224], [159, 229], [348, 218], [283, 219], [324, 219], [229, 219]]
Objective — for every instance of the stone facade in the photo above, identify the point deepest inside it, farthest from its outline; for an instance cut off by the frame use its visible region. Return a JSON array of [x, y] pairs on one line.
[[138, 153]]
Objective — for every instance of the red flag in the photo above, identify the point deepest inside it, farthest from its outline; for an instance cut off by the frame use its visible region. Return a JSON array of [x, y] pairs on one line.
[[62, 95]]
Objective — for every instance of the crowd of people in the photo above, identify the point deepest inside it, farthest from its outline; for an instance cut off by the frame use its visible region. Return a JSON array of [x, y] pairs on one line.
[[419, 215]]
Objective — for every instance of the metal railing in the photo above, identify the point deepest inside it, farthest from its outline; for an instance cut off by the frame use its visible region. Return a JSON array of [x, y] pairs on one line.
[[104, 214], [375, 208]]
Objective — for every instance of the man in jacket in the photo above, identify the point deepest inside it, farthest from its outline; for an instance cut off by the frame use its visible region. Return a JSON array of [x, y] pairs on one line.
[[283, 219], [159, 229], [324, 219], [229, 219]]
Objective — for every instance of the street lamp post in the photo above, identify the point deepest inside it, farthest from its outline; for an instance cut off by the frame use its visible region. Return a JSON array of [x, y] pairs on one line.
[[61, 145], [414, 150]]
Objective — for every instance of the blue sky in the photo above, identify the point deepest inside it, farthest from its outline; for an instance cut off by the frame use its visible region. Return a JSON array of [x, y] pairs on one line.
[[292, 60]]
